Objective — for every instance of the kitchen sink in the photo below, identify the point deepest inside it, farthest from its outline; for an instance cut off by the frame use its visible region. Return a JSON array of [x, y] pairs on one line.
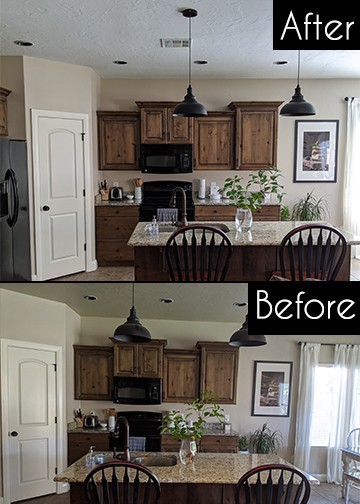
[[156, 460]]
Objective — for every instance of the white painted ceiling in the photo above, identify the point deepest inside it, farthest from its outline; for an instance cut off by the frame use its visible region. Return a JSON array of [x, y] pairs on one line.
[[192, 301], [234, 36]]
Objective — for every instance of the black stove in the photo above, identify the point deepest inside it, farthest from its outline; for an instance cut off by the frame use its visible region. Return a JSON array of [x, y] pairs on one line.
[[157, 195], [142, 424]]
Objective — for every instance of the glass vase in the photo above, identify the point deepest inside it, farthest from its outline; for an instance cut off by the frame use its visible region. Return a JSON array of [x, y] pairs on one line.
[[243, 219], [187, 451]]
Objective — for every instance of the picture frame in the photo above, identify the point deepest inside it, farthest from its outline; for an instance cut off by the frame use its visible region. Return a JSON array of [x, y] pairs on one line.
[[316, 145], [271, 388]]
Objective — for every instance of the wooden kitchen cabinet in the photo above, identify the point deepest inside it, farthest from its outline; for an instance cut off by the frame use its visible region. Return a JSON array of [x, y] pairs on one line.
[[181, 375], [158, 126], [4, 93], [139, 359], [119, 140], [213, 443], [256, 134], [227, 213], [114, 226], [218, 370], [93, 372], [80, 442], [214, 141]]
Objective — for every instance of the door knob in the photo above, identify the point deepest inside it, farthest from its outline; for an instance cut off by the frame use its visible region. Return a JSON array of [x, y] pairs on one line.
[[46, 208], [13, 433]]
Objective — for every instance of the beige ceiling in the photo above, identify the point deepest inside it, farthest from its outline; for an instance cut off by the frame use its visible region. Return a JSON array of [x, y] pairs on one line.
[[234, 36], [192, 302]]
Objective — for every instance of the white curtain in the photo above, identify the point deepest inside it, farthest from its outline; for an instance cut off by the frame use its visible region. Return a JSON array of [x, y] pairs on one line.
[[351, 212], [344, 406], [309, 360]]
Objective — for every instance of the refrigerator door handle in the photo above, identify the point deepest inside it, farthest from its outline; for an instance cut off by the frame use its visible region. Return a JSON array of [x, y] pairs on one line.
[[13, 186]]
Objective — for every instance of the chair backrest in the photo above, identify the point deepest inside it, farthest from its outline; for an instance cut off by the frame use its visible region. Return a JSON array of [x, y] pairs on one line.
[[314, 251], [198, 253], [273, 484], [353, 439], [125, 482]]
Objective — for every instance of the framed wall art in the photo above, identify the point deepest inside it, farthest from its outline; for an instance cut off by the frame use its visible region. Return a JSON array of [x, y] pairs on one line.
[[316, 151], [271, 388]]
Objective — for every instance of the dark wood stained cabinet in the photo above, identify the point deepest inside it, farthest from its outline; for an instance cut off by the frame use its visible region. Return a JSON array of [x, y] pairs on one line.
[[4, 93], [93, 372], [181, 375], [114, 226], [139, 359], [209, 443], [214, 141], [227, 212], [256, 125], [119, 140], [80, 442], [219, 369], [158, 126]]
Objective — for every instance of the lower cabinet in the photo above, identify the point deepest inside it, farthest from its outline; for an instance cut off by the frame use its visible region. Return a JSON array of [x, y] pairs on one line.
[[227, 212], [214, 443], [80, 442], [114, 226]]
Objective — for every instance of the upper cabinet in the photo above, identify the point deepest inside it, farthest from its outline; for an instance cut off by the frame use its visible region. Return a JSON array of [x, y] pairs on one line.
[[119, 140], [256, 125], [4, 93], [93, 372], [214, 141], [181, 375], [139, 359], [158, 126]]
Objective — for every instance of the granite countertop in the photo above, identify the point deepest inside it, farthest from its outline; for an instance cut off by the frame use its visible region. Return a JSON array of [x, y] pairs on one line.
[[222, 201], [208, 468], [87, 430], [269, 233]]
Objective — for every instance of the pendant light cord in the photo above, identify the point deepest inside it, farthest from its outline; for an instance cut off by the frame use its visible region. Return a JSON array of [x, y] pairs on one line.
[[189, 51], [133, 294], [298, 77]]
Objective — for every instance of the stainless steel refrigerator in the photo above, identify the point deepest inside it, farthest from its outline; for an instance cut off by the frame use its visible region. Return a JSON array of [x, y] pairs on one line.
[[15, 264]]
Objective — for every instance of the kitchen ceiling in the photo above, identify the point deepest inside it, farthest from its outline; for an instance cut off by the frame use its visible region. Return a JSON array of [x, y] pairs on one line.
[[234, 36], [192, 301]]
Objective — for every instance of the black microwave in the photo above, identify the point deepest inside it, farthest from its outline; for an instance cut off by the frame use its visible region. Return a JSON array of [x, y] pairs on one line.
[[137, 390], [167, 158]]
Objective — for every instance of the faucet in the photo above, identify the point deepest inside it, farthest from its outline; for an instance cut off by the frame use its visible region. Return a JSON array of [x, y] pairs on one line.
[[184, 221], [116, 435]]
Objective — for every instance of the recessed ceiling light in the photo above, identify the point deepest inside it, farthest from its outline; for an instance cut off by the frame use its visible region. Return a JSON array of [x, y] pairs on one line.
[[166, 300], [90, 297], [200, 62], [281, 62], [120, 62], [239, 304], [23, 43]]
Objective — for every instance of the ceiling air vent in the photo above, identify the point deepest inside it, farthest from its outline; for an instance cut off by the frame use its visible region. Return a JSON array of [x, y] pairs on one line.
[[171, 43]]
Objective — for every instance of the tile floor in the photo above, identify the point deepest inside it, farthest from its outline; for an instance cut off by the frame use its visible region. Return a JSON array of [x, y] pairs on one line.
[[325, 493], [126, 274]]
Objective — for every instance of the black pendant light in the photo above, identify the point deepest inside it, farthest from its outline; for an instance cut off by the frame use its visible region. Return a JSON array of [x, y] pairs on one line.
[[243, 338], [298, 106], [189, 107], [132, 331]]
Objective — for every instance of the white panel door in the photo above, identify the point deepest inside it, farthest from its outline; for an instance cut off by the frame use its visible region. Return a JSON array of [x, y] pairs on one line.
[[60, 158], [32, 426]]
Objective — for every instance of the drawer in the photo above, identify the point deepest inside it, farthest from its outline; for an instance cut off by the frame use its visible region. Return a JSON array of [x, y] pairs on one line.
[[114, 227], [267, 213], [113, 252], [215, 212], [116, 211]]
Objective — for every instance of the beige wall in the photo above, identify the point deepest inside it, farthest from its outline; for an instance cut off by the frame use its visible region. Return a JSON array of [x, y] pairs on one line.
[[12, 78], [327, 96]]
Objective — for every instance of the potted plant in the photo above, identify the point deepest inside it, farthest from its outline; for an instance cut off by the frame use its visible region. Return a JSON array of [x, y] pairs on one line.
[[308, 208], [264, 440], [243, 444], [189, 427]]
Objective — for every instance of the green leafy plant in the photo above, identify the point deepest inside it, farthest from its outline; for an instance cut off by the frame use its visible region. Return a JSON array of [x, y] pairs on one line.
[[310, 208], [264, 440], [242, 196], [192, 423], [284, 213], [243, 443]]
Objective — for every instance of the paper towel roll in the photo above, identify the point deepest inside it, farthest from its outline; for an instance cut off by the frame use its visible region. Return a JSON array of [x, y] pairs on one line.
[[202, 188]]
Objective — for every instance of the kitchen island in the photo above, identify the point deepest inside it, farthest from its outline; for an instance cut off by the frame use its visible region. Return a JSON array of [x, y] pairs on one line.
[[255, 253], [211, 479]]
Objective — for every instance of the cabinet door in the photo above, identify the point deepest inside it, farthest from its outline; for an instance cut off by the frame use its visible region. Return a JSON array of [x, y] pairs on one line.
[[125, 359], [150, 360], [79, 444], [218, 370], [181, 375], [119, 145], [153, 125], [93, 372], [227, 213], [214, 142], [180, 129], [256, 134]]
